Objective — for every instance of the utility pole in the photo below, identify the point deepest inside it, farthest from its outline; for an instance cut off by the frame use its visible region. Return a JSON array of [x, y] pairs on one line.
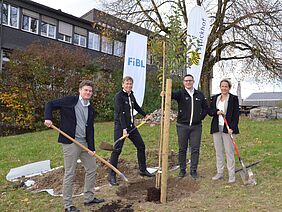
[[239, 93]]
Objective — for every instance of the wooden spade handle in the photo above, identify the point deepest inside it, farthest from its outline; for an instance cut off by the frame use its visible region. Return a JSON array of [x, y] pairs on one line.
[[88, 150], [124, 136]]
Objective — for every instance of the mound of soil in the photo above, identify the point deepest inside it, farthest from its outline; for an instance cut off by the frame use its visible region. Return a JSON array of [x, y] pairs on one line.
[[54, 179], [138, 190]]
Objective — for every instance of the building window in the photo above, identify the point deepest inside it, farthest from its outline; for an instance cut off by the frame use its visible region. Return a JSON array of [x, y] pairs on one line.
[[30, 21], [10, 15], [79, 37], [30, 24], [94, 41], [107, 45], [5, 59], [48, 27], [79, 40], [118, 48], [65, 32], [64, 38], [48, 30]]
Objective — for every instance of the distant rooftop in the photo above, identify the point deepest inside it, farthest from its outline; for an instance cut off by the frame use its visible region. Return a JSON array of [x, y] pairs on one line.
[[265, 96]]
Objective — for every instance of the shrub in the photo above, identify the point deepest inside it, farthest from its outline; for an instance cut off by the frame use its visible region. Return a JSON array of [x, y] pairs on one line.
[[35, 75], [17, 114], [106, 86], [44, 72], [152, 100]]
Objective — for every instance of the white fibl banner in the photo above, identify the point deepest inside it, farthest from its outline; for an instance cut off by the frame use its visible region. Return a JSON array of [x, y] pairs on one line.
[[198, 26], [135, 60]]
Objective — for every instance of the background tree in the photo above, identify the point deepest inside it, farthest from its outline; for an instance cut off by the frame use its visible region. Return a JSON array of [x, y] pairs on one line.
[[41, 73], [175, 47], [44, 72], [248, 31], [35, 75]]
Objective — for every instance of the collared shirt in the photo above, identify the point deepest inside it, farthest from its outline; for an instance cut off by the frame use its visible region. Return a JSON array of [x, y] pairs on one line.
[[85, 103], [81, 113], [220, 106], [191, 93]]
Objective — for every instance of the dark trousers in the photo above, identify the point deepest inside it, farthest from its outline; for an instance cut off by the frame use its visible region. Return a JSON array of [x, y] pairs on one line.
[[189, 134], [138, 142]]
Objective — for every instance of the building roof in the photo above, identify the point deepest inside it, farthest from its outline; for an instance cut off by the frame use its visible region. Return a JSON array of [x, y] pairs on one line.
[[265, 96], [110, 21]]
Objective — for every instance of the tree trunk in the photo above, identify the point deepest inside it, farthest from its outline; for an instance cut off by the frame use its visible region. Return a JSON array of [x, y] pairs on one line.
[[205, 85], [206, 79]]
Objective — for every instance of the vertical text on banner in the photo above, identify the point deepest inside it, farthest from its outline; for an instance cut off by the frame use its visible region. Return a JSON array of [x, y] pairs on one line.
[[135, 60], [198, 26]]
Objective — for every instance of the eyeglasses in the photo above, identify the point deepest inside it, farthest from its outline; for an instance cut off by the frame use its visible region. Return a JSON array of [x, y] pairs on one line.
[[188, 80]]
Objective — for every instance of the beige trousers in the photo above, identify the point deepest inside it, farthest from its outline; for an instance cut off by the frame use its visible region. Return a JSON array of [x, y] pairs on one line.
[[223, 142], [71, 153]]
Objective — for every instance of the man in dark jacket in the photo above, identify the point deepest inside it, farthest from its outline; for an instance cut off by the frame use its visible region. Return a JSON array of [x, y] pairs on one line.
[[77, 120], [125, 104], [192, 109]]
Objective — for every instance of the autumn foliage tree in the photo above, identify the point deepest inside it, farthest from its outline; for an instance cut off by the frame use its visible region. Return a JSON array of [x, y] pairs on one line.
[[37, 74]]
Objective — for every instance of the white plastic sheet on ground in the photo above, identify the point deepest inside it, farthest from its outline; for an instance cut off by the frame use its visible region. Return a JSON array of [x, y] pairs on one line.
[[34, 169], [152, 170], [29, 170]]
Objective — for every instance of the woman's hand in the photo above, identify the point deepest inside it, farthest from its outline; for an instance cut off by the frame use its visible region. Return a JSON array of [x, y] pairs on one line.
[[220, 113], [230, 131]]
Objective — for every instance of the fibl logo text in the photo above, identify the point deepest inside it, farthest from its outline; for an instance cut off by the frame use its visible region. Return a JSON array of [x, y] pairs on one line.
[[135, 62]]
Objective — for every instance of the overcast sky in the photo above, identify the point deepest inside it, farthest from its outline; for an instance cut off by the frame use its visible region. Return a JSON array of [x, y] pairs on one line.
[[73, 7], [80, 7]]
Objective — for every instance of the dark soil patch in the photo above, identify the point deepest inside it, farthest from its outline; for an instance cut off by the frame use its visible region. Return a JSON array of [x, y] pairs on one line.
[[153, 194], [117, 206], [177, 188]]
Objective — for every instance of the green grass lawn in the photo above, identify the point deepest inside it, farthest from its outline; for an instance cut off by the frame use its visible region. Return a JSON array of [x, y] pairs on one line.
[[257, 140]]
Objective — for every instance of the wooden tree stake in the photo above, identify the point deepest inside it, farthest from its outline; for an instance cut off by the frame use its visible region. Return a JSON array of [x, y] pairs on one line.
[[158, 176], [165, 141]]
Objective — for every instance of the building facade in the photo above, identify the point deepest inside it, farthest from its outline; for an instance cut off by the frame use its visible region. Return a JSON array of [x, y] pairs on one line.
[[101, 35], [264, 99]]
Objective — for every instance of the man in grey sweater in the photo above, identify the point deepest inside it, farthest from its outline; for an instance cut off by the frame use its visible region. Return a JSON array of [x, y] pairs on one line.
[[77, 120]]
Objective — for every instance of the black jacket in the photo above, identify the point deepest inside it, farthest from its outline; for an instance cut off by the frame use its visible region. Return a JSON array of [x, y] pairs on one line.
[[68, 119], [122, 115], [200, 107], [232, 114]]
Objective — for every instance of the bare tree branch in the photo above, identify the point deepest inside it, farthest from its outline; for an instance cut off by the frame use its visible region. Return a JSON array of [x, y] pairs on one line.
[[245, 30]]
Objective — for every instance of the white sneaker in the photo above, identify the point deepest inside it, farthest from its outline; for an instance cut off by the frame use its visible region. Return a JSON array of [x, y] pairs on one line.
[[218, 176], [231, 180]]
